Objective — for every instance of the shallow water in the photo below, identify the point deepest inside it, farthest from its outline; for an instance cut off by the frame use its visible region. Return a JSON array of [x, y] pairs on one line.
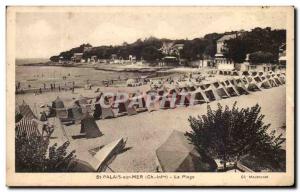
[[36, 76]]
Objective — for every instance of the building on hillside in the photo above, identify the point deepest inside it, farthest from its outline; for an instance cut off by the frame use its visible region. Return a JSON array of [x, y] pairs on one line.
[[132, 58], [77, 57], [166, 47], [170, 48], [114, 58], [87, 48], [221, 61], [282, 54], [61, 59], [177, 48]]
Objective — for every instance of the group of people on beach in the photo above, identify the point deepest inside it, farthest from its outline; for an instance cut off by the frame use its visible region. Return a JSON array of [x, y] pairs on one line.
[[52, 87]]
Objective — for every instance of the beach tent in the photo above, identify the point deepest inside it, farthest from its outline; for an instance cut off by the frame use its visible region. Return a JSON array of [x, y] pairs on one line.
[[84, 103], [210, 92], [119, 106], [107, 112], [239, 85], [220, 89], [85, 162], [26, 111], [272, 81], [97, 107], [262, 82], [230, 88], [168, 100], [276, 79], [198, 96], [234, 73], [281, 78], [29, 127], [245, 73], [130, 108], [178, 155], [62, 113], [89, 127], [139, 102], [76, 113], [183, 98], [66, 116], [98, 111], [191, 86], [250, 83], [153, 101], [58, 103], [107, 109]]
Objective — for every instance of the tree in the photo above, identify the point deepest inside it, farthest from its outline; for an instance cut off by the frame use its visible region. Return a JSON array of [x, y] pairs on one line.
[[54, 58], [258, 39], [151, 54], [194, 49], [236, 50], [261, 57], [33, 154], [233, 133]]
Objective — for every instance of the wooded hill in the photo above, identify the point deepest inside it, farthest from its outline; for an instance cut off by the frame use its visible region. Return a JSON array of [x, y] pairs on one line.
[[260, 40]]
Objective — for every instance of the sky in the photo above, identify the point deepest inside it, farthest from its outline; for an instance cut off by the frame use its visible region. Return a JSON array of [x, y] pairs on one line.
[[41, 34]]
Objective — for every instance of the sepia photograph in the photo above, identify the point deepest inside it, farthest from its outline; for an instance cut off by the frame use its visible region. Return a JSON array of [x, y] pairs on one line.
[[150, 96]]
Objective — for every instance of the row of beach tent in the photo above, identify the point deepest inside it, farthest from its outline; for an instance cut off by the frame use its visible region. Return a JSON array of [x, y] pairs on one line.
[[177, 95]]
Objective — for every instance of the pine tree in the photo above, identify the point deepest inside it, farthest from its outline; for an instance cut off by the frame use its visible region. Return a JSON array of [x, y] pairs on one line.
[[229, 134]]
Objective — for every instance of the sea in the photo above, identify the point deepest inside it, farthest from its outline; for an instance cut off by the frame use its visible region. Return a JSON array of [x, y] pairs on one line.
[[35, 76]]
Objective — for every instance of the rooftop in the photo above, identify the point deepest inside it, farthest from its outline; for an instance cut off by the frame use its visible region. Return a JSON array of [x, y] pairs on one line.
[[227, 37]]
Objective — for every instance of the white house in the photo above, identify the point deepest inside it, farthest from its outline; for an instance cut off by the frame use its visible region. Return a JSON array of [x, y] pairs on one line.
[[221, 61]]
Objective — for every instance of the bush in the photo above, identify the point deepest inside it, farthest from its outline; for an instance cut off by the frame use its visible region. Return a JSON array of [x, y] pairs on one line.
[[33, 154], [233, 133]]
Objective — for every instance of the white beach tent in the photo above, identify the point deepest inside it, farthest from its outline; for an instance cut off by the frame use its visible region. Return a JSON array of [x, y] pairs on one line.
[[100, 161]]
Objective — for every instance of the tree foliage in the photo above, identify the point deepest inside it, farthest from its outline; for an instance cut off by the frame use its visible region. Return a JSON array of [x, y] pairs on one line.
[[258, 39], [33, 154], [261, 57], [229, 134]]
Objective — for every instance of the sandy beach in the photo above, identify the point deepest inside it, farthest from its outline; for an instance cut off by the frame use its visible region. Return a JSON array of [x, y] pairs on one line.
[[145, 132]]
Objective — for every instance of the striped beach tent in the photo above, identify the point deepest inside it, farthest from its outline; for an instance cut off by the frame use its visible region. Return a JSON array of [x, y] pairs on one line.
[[26, 111], [28, 126]]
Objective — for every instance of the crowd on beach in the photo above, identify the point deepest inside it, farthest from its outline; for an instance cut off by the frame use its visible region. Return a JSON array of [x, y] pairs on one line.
[[46, 88]]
